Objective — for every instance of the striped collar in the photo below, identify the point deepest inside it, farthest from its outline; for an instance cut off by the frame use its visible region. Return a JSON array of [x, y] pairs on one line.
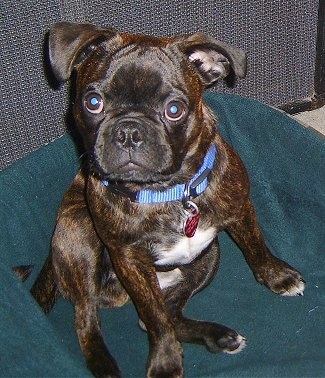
[[184, 192]]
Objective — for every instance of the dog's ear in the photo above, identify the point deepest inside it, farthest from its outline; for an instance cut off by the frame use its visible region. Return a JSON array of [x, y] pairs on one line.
[[70, 42], [213, 59]]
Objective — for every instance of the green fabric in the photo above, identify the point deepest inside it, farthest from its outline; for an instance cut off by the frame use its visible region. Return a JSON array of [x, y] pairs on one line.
[[285, 335]]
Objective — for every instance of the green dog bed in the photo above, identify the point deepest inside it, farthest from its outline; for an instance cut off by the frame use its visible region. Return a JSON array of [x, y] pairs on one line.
[[286, 163]]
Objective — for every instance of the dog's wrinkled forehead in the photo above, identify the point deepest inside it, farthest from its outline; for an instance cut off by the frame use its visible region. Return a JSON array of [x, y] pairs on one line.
[[138, 75]]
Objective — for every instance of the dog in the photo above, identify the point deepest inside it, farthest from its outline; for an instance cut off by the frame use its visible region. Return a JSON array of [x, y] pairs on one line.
[[141, 218]]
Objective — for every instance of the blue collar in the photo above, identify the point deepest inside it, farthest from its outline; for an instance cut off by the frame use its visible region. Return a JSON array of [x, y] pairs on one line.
[[184, 192]]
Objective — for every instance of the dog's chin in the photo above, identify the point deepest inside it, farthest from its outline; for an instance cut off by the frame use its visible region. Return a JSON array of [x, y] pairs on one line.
[[133, 173]]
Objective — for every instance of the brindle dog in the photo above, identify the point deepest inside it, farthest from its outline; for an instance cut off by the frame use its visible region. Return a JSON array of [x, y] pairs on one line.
[[140, 220]]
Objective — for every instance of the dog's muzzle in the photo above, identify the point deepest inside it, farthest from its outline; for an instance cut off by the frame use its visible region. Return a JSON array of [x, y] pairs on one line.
[[127, 150]]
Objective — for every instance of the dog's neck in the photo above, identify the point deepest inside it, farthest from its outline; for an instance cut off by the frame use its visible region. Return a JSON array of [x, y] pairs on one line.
[[183, 192]]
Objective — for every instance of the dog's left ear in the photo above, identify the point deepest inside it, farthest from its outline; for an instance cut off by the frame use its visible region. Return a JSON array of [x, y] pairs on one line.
[[213, 59]]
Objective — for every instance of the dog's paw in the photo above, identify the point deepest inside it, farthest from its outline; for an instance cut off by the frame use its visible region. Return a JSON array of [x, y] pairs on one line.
[[281, 278], [231, 343], [165, 360], [235, 345], [296, 288], [161, 371]]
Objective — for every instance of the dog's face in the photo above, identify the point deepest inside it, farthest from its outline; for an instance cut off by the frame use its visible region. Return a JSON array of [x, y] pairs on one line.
[[141, 115], [138, 102]]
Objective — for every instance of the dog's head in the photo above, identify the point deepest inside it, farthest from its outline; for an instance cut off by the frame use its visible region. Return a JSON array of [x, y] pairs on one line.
[[138, 104]]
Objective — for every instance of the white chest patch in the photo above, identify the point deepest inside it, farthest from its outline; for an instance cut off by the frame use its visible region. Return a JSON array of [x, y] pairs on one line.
[[186, 249]]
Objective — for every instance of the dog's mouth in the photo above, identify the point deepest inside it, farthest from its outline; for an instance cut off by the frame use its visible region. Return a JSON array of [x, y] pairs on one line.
[[132, 169]]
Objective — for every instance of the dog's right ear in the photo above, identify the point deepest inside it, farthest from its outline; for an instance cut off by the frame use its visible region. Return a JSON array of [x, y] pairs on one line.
[[70, 42]]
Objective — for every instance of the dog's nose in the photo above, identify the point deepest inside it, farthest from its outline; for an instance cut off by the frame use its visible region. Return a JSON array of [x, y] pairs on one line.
[[129, 135]]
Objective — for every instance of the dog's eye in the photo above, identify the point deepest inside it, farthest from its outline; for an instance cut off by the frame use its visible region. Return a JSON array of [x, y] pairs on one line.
[[94, 103], [174, 111]]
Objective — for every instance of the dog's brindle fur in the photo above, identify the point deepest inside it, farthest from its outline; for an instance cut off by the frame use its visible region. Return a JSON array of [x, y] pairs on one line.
[[106, 248]]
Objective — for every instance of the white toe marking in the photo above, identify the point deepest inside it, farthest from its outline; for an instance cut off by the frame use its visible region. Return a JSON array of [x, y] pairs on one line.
[[295, 290], [242, 343], [142, 325]]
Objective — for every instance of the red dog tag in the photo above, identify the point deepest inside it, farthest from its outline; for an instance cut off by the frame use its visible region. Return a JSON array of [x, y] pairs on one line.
[[192, 221]]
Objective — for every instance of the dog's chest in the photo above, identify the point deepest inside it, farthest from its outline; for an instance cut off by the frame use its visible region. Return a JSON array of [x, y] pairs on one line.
[[184, 249]]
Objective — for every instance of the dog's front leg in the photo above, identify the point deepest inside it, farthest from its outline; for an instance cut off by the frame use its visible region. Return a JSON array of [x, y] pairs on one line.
[[99, 361], [134, 269], [196, 275], [274, 273]]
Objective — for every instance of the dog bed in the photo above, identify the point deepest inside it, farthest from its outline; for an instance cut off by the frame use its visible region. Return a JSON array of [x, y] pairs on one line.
[[286, 163]]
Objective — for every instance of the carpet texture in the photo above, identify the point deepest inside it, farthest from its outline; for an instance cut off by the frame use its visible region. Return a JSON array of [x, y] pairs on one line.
[[285, 335]]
